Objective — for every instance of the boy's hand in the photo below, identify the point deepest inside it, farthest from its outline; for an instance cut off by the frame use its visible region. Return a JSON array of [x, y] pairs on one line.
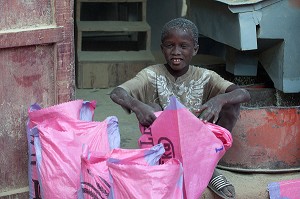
[[145, 114], [210, 110]]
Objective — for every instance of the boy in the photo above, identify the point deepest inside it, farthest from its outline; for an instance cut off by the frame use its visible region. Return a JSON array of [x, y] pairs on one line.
[[202, 91]]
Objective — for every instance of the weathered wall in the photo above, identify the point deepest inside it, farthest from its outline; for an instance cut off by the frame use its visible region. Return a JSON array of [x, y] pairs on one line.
[[37, 66]]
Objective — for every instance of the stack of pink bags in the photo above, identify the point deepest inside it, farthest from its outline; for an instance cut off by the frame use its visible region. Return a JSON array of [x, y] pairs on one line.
[[71, 156]]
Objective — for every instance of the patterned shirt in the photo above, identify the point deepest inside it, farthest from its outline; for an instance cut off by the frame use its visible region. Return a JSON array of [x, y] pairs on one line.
[[155, 84]]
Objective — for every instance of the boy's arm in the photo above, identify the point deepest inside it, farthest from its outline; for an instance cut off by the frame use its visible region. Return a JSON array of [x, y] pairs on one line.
[[233, 95], [236, 95], [143, 112]]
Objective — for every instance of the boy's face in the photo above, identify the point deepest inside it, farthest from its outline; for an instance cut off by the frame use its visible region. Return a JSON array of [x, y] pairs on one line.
[[178, 48]]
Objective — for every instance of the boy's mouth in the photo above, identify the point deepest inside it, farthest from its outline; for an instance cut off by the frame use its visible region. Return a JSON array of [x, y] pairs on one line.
[[176, 61]]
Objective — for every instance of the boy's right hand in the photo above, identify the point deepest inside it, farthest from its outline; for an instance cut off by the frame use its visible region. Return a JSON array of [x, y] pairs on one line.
[[145, 114]]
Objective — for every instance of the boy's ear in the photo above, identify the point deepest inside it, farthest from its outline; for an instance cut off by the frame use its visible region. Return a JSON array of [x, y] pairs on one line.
[[196, 48]]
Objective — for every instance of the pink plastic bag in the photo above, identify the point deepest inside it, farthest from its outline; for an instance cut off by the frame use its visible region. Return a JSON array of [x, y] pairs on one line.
[[58, 153], [87, 110], [94, 176], [288, 189], [138, 175], [70, 109], [95, 181], [199, 146], [77, 109]]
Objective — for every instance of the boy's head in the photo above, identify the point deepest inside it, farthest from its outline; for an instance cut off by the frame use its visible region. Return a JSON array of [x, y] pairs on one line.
[[179, 43], [180, 24]]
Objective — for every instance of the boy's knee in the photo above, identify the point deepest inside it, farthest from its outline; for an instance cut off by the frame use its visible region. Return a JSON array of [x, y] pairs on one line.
[[229, 115], [231, 111]]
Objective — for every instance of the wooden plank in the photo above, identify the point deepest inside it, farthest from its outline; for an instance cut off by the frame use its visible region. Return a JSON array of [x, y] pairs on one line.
[[96, 75], [105, 75], [78, 10], [116, 56], [79, 41], [127, 71], [29, 37], [15, 192], [16, 196], [148, 40], [111, 26], [144, 11]]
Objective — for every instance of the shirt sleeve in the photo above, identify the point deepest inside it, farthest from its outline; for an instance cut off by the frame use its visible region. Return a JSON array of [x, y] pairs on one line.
[[136, 87], [217, 85]]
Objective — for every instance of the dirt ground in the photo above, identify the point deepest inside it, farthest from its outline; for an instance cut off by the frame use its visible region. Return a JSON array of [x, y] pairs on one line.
[[247, 185]]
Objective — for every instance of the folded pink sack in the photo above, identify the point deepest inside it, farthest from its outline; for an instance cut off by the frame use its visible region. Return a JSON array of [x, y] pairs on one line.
[[137, 174], [198, 145], [77, 109], [95, 182], [58, 147]]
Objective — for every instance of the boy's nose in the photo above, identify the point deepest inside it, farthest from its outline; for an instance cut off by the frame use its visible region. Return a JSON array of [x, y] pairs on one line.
[[176, 50]]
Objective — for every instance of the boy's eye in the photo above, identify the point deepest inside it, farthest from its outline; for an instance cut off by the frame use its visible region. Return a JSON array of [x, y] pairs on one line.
[[168, 45], [184, 46]]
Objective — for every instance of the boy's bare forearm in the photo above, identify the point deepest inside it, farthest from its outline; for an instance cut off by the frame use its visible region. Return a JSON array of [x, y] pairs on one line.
[[121, 97], [144, 113], [235, 96]]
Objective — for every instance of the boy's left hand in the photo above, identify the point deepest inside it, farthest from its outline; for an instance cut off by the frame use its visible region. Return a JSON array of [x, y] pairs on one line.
[[210, 110]]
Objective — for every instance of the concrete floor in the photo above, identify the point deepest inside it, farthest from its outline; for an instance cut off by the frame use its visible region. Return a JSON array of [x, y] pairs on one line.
[[247, 185]]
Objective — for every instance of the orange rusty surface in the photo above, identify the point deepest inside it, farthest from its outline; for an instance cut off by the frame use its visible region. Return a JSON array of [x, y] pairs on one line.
[[265, 139]]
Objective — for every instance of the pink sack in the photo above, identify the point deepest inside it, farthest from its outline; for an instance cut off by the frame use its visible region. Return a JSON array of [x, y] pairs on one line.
[[87, 108], [77, 109], [58, 151], [95, 181], [288, 189], [69, 109], [138, 175], [94, 176], [199, 146]]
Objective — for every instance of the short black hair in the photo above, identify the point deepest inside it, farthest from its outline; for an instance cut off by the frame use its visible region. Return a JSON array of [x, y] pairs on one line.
[[180, 24]]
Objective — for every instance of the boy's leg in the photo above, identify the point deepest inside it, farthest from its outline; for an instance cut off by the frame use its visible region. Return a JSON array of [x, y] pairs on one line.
[[228, 116], [227, 119]]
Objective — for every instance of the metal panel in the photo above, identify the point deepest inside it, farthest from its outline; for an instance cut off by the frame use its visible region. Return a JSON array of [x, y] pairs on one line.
[[237, 30], [242, 24], [239, 2], [282, 62]]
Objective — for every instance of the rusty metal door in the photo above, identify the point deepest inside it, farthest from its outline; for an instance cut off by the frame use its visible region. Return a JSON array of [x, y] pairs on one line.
[[36, 66]]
